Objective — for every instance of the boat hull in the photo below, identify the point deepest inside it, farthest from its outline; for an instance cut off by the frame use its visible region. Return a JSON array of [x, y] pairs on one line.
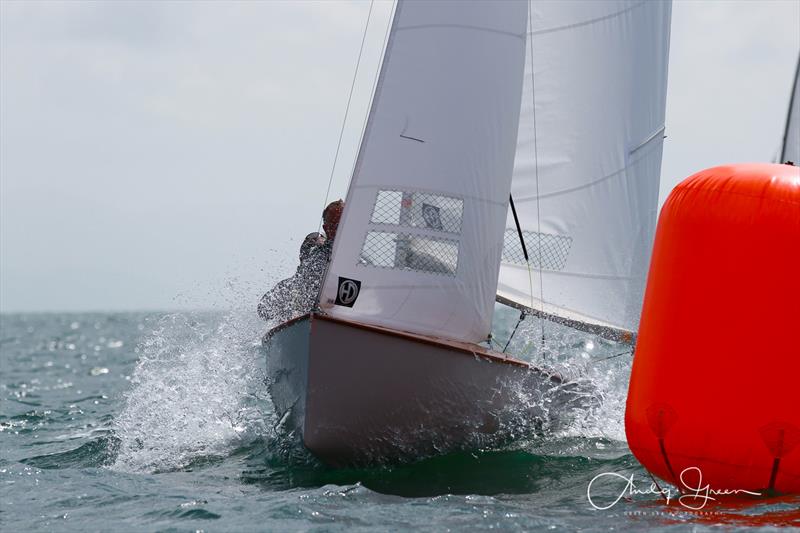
[[361, 395]]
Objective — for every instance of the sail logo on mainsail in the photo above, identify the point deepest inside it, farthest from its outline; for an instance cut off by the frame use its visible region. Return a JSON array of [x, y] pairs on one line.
[[433, 220], [348, 291]]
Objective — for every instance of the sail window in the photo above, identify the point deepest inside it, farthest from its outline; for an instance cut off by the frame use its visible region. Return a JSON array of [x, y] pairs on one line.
[[402, 251], [418, 210], [549, 253]]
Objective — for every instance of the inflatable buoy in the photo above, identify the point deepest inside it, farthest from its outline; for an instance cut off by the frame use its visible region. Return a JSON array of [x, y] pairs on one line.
[[714, 397]]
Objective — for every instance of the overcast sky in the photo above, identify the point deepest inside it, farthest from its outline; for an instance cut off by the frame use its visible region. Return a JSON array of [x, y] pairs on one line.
[[161, 155]]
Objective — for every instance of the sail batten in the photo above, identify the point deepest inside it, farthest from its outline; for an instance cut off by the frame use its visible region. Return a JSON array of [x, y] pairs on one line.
[[595, 20], [586, 175], [468, 27]]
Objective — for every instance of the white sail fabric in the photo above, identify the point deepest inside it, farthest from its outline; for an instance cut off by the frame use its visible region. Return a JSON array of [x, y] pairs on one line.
[[422, 229], [791, 137], [586, 175]]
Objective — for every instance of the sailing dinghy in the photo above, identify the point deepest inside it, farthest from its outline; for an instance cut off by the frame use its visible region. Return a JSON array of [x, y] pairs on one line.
[[558, 105]]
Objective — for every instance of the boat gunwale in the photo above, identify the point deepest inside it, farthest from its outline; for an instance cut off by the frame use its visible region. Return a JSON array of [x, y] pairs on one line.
[[461, 347], [283, 325]]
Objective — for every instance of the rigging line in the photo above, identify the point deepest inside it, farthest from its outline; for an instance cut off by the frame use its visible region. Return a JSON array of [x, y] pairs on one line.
[[519, 229], [347, 110], [521, 318], [530, 287], [612, 356], [364, 126], [375, 80], [536, 173], [527, 263]]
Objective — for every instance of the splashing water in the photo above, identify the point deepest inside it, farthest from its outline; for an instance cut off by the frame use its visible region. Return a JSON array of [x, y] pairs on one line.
[[197, 392], [598, 369], [55, 445]]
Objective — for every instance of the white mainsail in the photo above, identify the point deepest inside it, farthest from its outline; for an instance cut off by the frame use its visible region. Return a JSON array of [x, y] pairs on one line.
[[791, 137], [420, 239], [586, 174]]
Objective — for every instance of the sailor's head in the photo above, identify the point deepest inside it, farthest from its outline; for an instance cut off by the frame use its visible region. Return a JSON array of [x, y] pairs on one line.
[[311, 240], [331, 216]]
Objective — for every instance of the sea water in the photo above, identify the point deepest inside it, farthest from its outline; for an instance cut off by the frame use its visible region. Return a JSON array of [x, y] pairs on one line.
[[161, 422]]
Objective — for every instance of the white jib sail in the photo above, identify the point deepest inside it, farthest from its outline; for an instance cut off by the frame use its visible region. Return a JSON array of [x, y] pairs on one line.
[[791, 137], [586, 174], [422, 230]]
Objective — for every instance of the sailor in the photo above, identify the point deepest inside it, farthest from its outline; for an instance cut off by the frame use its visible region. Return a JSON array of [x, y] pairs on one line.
[[331, 216], [297, 295]]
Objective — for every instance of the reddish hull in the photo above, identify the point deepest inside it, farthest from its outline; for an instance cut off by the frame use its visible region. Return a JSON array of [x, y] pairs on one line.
[[362, 394]]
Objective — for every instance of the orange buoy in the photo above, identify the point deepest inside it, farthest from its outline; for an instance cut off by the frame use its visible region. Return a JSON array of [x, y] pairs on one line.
[[715, 387]]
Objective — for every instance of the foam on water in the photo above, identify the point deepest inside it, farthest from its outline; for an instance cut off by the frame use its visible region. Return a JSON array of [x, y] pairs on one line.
[[197, 391]]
